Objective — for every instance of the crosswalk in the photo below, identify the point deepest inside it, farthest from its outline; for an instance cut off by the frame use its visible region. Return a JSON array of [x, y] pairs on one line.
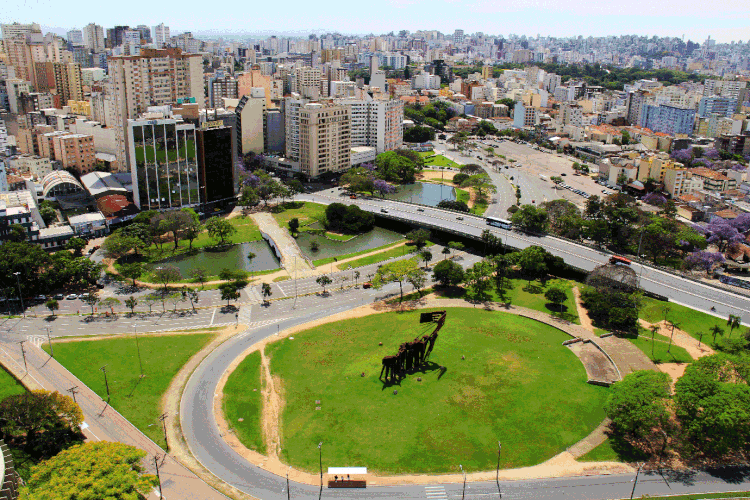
[[435, 492]]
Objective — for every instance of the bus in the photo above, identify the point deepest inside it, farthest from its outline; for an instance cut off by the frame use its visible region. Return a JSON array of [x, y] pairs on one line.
[[616, 259], [501, 223]]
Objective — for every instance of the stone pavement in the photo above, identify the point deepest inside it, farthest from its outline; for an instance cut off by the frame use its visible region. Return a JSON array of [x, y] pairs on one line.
[[291, 256]]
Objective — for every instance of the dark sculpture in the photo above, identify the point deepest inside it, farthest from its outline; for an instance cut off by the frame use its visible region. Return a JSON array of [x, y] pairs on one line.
[[413, 355]]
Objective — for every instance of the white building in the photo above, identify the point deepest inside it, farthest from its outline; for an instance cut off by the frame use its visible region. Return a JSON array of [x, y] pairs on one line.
[[376, 122], [425, 80], [363, 154], [93, 37], [161, 35]]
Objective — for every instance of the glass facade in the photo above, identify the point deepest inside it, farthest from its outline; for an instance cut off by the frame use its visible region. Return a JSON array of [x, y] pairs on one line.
[[163, 159]]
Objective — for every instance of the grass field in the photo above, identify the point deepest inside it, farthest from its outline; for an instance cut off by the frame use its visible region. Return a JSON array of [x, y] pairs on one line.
[[307, 213], [328, 260], [516, 384], [689, 320], [380, 257], [660, 355], [138, 400], [532, 297], [242, 400], [9, 386], [438, 160], [612, 450]]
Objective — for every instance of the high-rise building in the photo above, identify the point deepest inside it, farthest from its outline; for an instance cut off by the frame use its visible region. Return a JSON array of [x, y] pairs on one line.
[[723, 106], [163, 164], [68, 81], [216, 166], [634, 104], [668, 119], [250, 111], [11, 30], [324, 139], [306, 82], [145, 32], [115, 36], [155, 77], [27, 49], [161, 35], [222, 86], [93, 37], [75, 37], [525, 116], [376, 122], [75, 151]]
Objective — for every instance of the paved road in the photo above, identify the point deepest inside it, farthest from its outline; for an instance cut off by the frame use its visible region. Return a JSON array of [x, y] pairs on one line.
[[681, 290]]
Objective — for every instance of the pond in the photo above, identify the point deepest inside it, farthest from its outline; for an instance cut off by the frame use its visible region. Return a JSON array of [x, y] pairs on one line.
[[235, 257], [329, 248], [424, 193]]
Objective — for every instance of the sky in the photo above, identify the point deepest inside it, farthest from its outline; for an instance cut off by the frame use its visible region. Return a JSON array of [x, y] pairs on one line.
[[723, 20]]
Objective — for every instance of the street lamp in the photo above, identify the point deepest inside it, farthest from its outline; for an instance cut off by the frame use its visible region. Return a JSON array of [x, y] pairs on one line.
[[463, 493], [20, 296], [288, 493], [320, 451], [138, 348]]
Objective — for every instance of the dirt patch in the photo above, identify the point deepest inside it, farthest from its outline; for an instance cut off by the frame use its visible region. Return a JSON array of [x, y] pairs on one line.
[[273, 404], [681, 339], [674, 370], [583, 314]]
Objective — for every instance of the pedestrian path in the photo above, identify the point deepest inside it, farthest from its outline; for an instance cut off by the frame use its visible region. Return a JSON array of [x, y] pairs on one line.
[[291, 256]]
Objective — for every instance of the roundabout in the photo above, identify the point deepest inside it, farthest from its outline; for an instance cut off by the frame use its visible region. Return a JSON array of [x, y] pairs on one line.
[[492, 376]]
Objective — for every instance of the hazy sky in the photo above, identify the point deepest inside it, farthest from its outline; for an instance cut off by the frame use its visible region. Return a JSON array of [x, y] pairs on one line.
[[724, 20]]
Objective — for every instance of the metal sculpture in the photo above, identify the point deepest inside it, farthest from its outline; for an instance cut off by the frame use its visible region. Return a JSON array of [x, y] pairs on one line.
[[413, 355]]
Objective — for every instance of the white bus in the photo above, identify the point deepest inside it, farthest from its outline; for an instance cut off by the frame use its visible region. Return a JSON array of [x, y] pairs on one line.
[[501, 223]]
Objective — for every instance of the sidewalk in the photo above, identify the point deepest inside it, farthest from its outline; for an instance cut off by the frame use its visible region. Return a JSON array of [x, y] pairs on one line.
[[102, 422], [291, 256]]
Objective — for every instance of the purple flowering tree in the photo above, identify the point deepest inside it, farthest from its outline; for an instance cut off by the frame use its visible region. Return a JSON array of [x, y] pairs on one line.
[[704, 261], [712, 154], [655, 199], [383, 187], [722, 233], [741, 223], [370, 167], [683, 156]]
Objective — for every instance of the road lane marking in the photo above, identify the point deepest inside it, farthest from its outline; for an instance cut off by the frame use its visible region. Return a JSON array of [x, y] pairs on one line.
[[212, 317]]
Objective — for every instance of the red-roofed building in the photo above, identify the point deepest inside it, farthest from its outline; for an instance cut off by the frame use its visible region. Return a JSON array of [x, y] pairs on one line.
[[116, 208]]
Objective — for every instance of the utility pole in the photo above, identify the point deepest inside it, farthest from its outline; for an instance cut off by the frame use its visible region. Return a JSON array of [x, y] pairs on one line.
[[158, 477], [463, 493], [497, 477], [23, 353], [20, 296], [138, 348], [635, 481], [106, 383], [320, 451], [49, 339], [74, 390], [288, 493], [163, 418]]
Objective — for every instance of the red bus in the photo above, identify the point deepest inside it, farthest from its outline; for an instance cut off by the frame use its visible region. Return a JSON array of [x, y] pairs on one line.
[[616, 259]]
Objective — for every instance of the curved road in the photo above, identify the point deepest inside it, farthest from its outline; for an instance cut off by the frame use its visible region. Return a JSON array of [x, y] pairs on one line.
[[206, 443]]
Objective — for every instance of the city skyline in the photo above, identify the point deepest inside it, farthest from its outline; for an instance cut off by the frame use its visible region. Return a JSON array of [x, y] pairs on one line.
[[725, 22]]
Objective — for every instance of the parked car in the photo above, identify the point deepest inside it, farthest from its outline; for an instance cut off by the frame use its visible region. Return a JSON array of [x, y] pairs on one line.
[[40, 298], [384, 210], [564, 174], [367, 285], [59, 296], [353, 197], [72, 296]]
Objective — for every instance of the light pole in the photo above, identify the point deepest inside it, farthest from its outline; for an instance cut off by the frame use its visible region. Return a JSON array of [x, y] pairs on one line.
[[23, 353], [288, 493], [106, 383], [497, 476], [138, 348], [463, 493], [320, 454], [635, 481], [49, 340], [20, 296]]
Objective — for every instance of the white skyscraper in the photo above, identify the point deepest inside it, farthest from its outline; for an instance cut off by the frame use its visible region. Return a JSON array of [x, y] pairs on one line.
[[93, 37], [161, 35]]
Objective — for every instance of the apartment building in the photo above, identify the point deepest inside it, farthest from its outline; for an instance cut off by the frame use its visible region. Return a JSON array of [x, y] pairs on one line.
[[723, 106], [155, 77], [525, 116], [161, 35], [324, 139], [93, 37], [250, 111], [712, 180], [668, 119], [75, 152], [68, 81], [306, 82], [376, 122], [222, 86]]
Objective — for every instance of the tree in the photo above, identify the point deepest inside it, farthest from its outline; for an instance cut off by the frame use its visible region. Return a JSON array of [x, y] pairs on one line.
[[638, 403], [17, 233], [132, 270], [716, 330], [419, 134], [45, 422], [52, 305], [229, 292], [425, 256], [481, 183], [383, 187], [266, 291], [478, 281], [448, 273], [220, 229], [48, 213], [458, 206], [293, 225], [131, 302], [395, 272], [191, 295], [348, 219], [418, 237], [110, 302], [456, 246], [324, 281], [166, 274], [77, 245], [92, 470], [446, 252], [556, 295], [733, 322], [199, 274], [654, 331], [532, 261], [192, 227], [175, 299], [564, 218], [397, 166], [531, 219], [417, 279], [91, 300], [150, 300]]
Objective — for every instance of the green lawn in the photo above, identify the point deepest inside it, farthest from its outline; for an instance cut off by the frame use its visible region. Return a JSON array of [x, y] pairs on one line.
[[9, 386], [380, 257], [243, 400], [517, 384], [687, 319], [612, 450], [479, 207], [660, 355], [438, 160], [328, 260], [532, 297], [307, 213], [138, 400]]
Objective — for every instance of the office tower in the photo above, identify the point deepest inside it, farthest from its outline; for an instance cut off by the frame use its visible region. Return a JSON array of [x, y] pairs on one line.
[[115, 36], [93, 37], [161, 35], [216, 148], [163, 163], [155, 77]]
